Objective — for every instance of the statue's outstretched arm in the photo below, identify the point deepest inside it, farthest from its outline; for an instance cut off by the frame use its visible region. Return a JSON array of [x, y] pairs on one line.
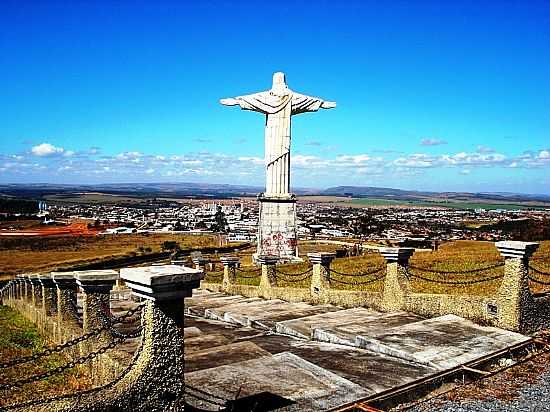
[[328, 105], [229, 101]]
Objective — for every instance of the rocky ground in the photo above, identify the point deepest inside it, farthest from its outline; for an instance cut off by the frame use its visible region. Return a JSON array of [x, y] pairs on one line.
[[525, 387]]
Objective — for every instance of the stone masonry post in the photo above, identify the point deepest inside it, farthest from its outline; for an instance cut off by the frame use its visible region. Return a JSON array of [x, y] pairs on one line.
[[36, 288], [514, 296], [320, 279], [268, 279], [27, 289], [66, 299], [229, 271], [200, 264], [396, 284], [97, 285], [48, 294]]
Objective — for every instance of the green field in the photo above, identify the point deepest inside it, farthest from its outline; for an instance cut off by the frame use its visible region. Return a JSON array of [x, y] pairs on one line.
[[450, 205]]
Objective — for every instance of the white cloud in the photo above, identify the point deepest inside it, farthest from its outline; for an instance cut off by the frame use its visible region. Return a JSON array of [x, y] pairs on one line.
[[46, 149], [432, 142]]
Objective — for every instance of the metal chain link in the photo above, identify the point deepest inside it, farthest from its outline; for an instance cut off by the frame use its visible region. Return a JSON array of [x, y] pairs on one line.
[[540, 272], [294, 274], [36, 402], [238, 269], [452, 282], [293, 280], [357, 283], [458, 272], [540, 282], [63, 368], [63, 346], [357, 274], [108, 323]]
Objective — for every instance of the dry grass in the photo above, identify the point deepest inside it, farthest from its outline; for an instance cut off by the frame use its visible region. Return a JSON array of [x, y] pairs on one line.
[[47, 254], [19, 337], [359, 267]]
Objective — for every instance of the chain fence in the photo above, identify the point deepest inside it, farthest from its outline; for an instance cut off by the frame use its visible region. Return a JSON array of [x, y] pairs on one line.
[[61, 347], [539, 271], [355, 282], [36, 402], [344, 274], [452, 282], [457, 272]]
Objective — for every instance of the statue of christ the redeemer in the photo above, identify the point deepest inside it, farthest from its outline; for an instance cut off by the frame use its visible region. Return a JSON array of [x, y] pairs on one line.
[[278, 104], [277, 225]]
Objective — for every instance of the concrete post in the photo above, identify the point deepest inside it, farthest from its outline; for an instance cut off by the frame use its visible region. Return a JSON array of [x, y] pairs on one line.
[[514, 297], [268, 279], [96, 285], [229, 271], [27, 289], [36, 288], [320, 279], [48, 294], [66, 296], [396, 284], [200, 264], [20, 295]]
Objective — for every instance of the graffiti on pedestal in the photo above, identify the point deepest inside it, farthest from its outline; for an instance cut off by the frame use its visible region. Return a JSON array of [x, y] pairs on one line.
[[279, 244]]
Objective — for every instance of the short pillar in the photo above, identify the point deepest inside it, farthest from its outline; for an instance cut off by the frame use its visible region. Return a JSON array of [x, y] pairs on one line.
[[513, 295], [66, 296], [96, 285], [269, 278], [49, 293], [20, 287], [229, 271], [36, 287], [26, 289], [200, 263], [396, 284], [320, 279]]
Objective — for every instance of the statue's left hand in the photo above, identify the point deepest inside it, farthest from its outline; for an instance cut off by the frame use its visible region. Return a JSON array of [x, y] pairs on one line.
[[328, 105]]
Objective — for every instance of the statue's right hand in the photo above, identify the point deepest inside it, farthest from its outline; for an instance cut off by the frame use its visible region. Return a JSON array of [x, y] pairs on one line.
[[229, 102]]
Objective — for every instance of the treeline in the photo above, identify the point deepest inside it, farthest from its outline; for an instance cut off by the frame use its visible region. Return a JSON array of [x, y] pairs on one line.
[[525, 229], [18, 206]]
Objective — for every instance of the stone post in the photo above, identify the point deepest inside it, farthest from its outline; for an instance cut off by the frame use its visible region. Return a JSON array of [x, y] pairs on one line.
[[49, 293], [514, 296], [396, 284], [66, 297], [268, 279], [200, 264], [229, 271], [96, 285], [27, 289], [320, 279], [20, 287], [36, 288]]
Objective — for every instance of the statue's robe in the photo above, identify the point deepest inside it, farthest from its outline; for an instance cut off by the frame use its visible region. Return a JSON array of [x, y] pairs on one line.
[[278, 108]]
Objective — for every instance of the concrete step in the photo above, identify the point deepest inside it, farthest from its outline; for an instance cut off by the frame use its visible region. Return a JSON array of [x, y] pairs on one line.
[[303, 327], [443, 342], [217, 313], [222, 355], [203, 341], [242, 315], [199, 307], [269, 319]]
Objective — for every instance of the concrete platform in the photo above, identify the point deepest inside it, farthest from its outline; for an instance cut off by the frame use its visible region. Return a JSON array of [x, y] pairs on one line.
[[319, 357], [308, 386]]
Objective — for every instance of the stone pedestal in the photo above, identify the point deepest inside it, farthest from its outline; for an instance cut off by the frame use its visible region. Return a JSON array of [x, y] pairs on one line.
[[268, 279], [396, 282], [514, 297], [36, 290], [277, 227], [66, 296], [229, 271], [320, 279]]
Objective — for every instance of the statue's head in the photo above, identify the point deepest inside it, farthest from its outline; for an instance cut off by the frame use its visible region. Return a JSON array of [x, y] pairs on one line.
[[279, 83]]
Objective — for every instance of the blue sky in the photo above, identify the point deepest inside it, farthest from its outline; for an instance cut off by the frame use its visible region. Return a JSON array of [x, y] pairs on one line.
[[431, 95]]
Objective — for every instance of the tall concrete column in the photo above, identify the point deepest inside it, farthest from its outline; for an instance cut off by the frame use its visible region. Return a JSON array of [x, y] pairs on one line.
[[268, 279], [396, 284], [229, 271], [320, 279], [49, 293], [514, 296], [96, 285]]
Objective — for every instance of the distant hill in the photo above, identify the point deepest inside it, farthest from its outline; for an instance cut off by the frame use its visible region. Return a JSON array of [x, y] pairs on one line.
[[209, 190]]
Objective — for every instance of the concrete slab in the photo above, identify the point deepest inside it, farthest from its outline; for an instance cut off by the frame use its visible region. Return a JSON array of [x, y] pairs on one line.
[[216, 356], [303, 327], [310, 387], [199, 307], [443, 342], [362, 323], [269, 319], [218, 312]]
